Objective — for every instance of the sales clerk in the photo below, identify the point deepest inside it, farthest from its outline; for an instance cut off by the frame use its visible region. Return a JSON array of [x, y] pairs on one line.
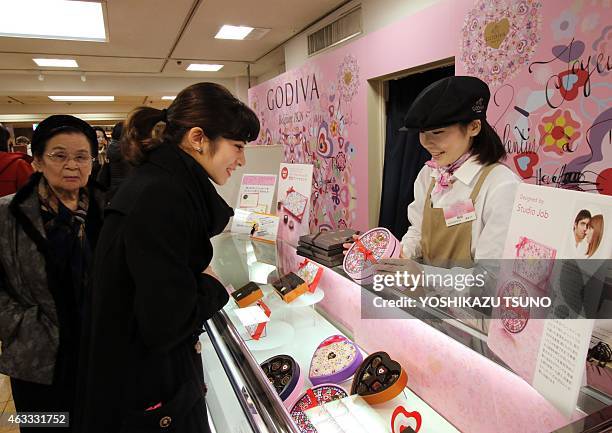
[[465, 169]]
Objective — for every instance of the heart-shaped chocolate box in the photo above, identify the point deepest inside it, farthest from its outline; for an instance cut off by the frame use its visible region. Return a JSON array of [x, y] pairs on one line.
[[284, 374], [379, 379], [334, 361]]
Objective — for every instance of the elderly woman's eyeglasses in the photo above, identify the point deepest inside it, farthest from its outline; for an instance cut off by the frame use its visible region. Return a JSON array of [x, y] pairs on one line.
[[64, 157]]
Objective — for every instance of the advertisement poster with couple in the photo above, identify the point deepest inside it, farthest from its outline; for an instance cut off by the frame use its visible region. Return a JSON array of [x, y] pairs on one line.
[[588, 233], [557, 249]]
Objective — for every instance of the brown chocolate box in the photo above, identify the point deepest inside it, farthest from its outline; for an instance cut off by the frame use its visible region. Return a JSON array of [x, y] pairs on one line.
[[290, 286], [247, 294]]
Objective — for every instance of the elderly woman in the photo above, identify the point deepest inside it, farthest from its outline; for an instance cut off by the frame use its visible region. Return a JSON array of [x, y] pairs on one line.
[[48, 232]]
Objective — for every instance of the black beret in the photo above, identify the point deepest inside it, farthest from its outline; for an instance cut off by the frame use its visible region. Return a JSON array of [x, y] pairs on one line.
[[448, 101], [57, 124]]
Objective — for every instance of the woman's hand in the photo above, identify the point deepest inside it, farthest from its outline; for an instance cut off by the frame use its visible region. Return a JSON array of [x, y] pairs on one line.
[[209, 271]]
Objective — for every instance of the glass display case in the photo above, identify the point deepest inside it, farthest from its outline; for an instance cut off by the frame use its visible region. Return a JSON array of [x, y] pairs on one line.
[[454, 383]]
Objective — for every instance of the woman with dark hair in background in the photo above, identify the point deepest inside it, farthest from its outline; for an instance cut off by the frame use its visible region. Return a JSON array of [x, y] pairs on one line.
[[102, 144], [48, 232], [117, 168], [101, 158], [143, 370]]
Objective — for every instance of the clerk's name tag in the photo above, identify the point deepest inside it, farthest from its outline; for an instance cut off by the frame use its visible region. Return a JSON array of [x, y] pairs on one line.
[[459, 212]]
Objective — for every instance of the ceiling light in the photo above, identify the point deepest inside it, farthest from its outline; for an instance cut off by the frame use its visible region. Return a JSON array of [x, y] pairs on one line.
[[53, 19], [82, 98], [203, 67], [233, 32], [168, 98], [57, 63], [83, 77], [41, 77]]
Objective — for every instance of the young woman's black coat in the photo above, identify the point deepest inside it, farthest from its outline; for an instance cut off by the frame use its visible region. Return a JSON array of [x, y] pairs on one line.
[[150, 300]]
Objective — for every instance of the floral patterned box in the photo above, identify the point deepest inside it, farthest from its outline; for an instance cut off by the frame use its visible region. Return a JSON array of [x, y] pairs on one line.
[[534, 261], [295, 204], [372, 246], [310, 272]]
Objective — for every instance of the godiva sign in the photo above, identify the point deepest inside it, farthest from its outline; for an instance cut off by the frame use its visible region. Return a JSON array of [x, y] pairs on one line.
[[290, 93]]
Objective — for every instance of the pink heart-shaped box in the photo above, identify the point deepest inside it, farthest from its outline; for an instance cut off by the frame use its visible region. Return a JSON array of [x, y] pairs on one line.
[[334, 361]]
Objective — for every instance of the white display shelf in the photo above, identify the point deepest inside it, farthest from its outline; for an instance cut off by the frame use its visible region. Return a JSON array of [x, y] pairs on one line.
[[308, 330]]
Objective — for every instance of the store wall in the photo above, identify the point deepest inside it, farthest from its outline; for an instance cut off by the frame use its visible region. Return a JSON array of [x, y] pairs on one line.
[[523, 48], [319, 112], [375, 15]]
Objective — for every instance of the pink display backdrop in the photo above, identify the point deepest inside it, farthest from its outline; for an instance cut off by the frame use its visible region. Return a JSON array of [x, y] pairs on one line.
[[550, 81], [555, 123], [318, 111]]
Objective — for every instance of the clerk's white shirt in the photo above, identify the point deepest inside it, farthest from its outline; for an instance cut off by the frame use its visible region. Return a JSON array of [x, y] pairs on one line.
[[493, 207]]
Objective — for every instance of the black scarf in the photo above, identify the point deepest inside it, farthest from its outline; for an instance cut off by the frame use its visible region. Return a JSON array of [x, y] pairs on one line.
[[70, 255]]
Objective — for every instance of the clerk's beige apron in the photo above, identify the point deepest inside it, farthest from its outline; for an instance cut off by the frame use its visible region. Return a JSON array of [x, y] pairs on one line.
[[444, 246]]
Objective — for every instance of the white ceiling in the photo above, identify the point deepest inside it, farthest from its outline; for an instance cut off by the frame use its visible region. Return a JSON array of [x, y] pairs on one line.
[[151, 42]]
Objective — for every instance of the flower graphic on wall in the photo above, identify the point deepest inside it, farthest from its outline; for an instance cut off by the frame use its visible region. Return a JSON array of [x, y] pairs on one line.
[[325, 147], [564, 26], [333, 127], [602, 45], [341, 161], [499, 37], [288, 146], [589, 23], [266, 138], [558, 132], [348, 77]]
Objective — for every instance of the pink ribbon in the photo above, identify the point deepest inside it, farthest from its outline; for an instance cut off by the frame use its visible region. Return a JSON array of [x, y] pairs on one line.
[[521, 244], [332, 340], [367, 254], [445, 173], [261, 326]]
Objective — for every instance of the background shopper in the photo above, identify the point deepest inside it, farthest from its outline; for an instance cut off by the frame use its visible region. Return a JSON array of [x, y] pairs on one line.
[[15, 170], [117, 168]]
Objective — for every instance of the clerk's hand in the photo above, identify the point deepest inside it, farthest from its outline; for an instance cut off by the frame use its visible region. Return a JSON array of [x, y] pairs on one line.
[[347, 245]]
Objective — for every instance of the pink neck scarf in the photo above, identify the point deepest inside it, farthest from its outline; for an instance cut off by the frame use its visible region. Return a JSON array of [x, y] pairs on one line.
[[445, 172]]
